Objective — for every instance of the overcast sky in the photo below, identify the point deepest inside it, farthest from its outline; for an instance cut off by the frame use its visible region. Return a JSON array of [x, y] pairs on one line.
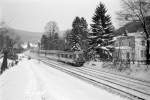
[[32, 15]]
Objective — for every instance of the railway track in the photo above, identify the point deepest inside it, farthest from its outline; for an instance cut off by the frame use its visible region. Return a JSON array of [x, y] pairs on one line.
[[144, 84], [123, 76], [116, 76], [118, 87]]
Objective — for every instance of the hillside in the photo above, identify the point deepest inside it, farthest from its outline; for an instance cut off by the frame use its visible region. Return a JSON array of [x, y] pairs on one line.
[[26, 36]]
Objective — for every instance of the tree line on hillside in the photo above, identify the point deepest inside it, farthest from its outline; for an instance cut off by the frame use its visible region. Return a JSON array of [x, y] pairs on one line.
[[94, 41]]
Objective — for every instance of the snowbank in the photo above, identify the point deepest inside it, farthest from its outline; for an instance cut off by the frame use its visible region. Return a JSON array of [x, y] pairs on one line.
[[136, 71]]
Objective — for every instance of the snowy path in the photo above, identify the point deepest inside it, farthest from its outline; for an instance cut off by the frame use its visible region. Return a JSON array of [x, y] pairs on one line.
[[33, 80]]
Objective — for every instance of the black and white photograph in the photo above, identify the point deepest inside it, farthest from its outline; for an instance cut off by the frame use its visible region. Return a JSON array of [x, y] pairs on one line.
[[74, 49]]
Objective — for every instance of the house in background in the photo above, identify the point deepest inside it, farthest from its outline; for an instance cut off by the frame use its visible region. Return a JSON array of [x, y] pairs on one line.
[[130, 47]]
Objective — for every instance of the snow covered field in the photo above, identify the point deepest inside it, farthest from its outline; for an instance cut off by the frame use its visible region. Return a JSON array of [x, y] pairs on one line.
[[33, 80], [138, 72]]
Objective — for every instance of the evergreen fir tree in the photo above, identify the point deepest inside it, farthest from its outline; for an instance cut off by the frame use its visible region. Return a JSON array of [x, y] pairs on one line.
[[67, 40], [44, 42], [84, 28], [55, 41], [74, 42], [78, 34], [84, 33], [75, 36], [102, 32]]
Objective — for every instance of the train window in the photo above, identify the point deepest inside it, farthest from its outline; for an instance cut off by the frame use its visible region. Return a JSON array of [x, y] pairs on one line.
[[74, 56], [59, 55], [63, 55], [70, 56], [66, 55]]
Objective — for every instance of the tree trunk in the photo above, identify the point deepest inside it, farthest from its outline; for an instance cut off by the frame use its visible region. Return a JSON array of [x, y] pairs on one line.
[[4, 64], [147, 43], [147, 52]]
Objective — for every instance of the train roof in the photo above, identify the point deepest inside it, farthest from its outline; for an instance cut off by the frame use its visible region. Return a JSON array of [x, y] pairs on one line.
[[62, 52]]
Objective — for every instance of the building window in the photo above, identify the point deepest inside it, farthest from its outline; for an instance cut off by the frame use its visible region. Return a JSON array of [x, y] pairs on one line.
[[129, 43], [128, 55], [116, 44], [143, 43], [142, 53], [119, 43]]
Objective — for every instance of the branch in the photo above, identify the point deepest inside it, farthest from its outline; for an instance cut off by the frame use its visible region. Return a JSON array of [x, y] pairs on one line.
[[132, 6]]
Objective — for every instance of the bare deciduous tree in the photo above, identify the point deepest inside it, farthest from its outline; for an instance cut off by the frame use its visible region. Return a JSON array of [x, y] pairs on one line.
[[51, 28]]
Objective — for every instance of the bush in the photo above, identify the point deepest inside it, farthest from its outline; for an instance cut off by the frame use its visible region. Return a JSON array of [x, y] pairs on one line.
[[13, 57]]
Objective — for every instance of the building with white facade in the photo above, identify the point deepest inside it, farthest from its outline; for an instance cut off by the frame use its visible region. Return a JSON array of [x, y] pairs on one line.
[[130, 48]]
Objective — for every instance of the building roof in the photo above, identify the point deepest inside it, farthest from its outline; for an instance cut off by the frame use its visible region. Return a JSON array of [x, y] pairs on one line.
[[135, 34]]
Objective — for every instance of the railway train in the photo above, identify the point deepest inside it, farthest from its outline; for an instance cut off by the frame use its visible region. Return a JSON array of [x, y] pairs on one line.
[[74, 58]]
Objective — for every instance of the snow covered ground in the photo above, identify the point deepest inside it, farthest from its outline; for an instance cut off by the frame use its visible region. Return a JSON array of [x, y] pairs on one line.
[[1, 61], [136, 71], [33, 80]]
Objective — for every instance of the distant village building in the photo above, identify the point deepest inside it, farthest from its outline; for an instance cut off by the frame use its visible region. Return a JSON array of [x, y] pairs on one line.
[[130, 47], [28, 45]]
